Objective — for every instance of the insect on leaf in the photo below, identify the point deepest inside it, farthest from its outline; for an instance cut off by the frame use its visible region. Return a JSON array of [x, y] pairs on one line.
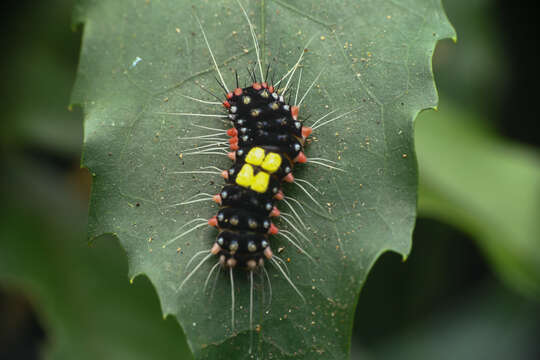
[[145, 67]]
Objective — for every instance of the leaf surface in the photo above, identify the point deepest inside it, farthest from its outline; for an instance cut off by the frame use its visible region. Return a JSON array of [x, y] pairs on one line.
[[82, 299], [141, 59]]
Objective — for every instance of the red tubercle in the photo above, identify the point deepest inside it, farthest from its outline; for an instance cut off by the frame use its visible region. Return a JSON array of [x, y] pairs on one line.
[[289, 178], [216, 249], [232, 155], [306, 131], [275, 212], [301, 158], [257, 86], [238, 91], [234, 143], [229, 95], [225, 174], [279, 195], [226, 104], [213, 221], [294, 112], [268, 253], [217, 199], [265, 85], [271, 89], [273, 229], [232, 132]]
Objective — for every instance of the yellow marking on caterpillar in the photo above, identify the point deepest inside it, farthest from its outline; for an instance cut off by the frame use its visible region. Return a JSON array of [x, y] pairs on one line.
[[260, 182], [271, 162], [255, 156], [245, 176]]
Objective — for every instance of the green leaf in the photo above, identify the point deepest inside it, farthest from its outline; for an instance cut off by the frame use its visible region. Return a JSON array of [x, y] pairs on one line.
[[139, 57], [471, 178], [80, 294]]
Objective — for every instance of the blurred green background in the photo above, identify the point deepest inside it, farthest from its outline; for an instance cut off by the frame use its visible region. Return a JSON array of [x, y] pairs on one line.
[[469, 290]]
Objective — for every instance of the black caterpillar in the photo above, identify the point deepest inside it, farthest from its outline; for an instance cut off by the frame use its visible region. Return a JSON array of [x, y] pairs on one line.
[[267, 140]]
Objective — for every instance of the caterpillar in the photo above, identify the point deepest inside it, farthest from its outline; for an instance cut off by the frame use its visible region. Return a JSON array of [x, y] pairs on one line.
[[266, 142]]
